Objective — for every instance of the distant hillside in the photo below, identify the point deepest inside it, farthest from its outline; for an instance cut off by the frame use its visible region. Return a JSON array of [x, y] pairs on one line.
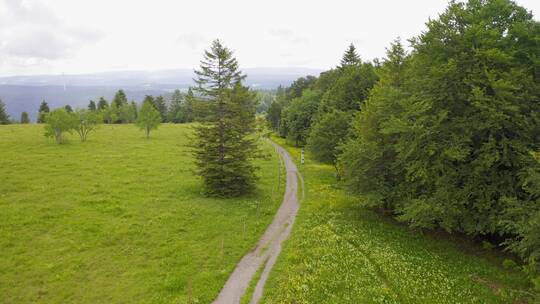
[[24, 93]]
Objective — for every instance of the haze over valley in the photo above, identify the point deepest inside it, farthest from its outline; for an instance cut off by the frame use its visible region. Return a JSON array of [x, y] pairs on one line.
[[25, 93]]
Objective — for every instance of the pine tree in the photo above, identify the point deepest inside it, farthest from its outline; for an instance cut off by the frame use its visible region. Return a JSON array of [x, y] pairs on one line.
[[159, 103], [134, 108], [4, 117], [177, 102], [25, 118], [350, 57], [224, 146], [187, 114], [102, 104], [120, 99], [92, 106], [43, 109]]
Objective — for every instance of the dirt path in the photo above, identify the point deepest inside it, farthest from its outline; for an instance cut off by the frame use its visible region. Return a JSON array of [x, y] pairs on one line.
[[268, 247]]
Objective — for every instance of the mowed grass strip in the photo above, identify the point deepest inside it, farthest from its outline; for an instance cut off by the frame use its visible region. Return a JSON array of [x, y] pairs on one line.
[[341, 253], [119, 218]]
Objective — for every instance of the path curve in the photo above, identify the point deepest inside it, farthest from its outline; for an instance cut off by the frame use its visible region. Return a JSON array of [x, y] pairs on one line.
[[269, 245]]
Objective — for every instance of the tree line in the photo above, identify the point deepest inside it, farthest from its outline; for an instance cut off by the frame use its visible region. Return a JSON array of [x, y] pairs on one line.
[[180, 108], [224, 144], [444, 136]]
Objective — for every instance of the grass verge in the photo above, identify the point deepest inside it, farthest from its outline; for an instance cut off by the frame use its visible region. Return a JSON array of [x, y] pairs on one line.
[[119, 218], [339, 252]]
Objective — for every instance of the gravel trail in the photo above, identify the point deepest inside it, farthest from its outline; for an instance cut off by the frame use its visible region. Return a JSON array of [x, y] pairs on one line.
[[269, 245]]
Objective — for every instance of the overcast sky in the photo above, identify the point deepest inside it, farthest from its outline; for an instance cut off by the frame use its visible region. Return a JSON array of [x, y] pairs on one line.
[[80, 36]]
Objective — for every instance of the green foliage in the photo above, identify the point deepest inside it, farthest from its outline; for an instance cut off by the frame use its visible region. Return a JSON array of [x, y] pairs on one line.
[[350, 58], [119, 99], [148, 118], [298, 86], [350, 89], [225, 146], [447, 139], [102, 104], [368, 159], [340, 252], [128, 113], [175, 113], [68, 108], [273, 115], [4, 117], [92, 106], [264, 100], [159, 104], [111, 113], [300, 114], [25, 118], [134, 109], [43, 110], [87, 121], [113, 211], [327, 134], [58, 122]]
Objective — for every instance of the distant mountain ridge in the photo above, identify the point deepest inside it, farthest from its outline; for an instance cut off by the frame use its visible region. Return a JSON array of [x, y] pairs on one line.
[[263, 77], [24, 93]]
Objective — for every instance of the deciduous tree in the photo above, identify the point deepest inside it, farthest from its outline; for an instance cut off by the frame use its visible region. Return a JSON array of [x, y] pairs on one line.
[[148, 118], [87, 121], [58, 122]]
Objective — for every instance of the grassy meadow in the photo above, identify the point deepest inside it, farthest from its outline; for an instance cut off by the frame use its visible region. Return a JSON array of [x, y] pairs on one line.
[[341, 253], [119, 218]]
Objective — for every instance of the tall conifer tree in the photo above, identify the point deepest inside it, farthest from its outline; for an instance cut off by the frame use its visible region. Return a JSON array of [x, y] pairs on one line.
[[350, 57], [43, 109], [224, 146], [4, 117], [92, 106]]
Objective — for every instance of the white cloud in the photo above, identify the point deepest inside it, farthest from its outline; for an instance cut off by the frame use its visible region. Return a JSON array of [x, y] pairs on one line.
[[288, 36], [32, 34], [78, 36]]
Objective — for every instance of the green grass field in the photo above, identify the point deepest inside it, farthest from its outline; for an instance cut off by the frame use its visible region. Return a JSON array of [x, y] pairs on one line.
[[341, 253], [119, 219]]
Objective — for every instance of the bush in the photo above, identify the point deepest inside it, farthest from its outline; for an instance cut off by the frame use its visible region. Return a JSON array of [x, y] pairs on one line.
[[59, 122]]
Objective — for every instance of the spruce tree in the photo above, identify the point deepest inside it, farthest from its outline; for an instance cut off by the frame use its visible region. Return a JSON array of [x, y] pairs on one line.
[[187, 113], [25, 118], [350, 57], [43, 109], [177, 102], [159, 103], [92, 106], [224, 146], [102, 104], [120, 99], [134, 109], [4, 117]]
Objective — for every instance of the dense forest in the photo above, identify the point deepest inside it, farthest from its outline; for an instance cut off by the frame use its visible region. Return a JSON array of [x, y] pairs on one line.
[[444, 135]]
